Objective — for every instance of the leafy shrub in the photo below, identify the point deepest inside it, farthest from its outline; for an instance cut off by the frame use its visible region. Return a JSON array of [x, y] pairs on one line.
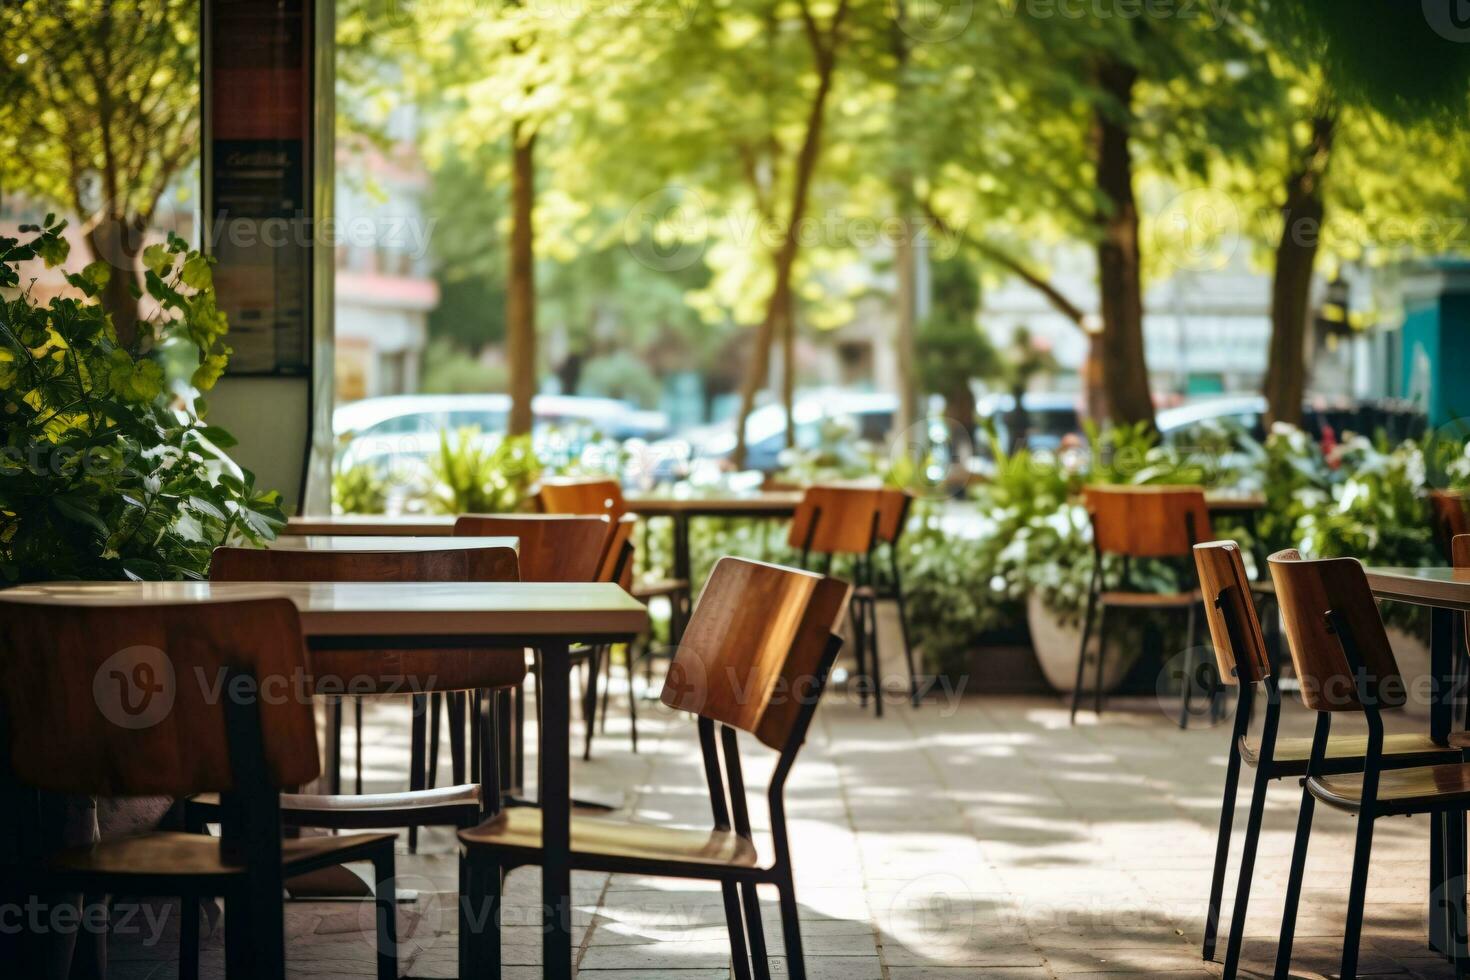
[[358, 488], [107, 470], [473, 476]]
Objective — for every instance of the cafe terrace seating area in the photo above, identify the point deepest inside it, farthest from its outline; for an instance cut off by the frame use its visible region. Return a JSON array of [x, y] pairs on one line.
[[354, 752]]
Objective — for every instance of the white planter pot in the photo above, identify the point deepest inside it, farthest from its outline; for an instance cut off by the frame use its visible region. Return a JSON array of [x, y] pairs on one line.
[[1057, 646]]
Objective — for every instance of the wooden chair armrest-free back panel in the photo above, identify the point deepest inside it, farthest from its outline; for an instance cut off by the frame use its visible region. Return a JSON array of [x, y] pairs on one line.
[[836, 520], [1222, 577], [553, 547], [893, 513], [1307, 592], [754, 646], [370, 671], [582, 497], [1147, 521], [131, 700]]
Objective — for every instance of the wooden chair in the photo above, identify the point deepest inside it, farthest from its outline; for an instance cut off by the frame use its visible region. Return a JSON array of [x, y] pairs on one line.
[[844, 519], [1345, 664], [1242, 657], [583, 496], [553, 548], [1142, 522], [1451, 519], [78, 684], [428, 674], [755, 657]]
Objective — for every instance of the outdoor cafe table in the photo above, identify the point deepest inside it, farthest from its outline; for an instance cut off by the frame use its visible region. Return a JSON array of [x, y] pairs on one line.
[[1446, 592], [419, 615]]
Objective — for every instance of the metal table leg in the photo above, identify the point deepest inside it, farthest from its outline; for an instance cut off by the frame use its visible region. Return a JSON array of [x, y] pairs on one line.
[[1445, 829], [555, 798]]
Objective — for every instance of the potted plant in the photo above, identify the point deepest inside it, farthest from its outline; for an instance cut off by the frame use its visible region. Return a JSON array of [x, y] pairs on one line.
[[108, 469]]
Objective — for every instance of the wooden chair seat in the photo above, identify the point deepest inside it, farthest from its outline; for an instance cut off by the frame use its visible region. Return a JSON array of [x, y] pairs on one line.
[[440, 807], [1345, 753], [600, 843], [1150, 600], [1407, 790], [200, 858], [652, 588]]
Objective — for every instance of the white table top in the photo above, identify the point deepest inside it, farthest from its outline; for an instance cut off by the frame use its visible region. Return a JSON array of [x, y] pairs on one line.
[[555, 610]]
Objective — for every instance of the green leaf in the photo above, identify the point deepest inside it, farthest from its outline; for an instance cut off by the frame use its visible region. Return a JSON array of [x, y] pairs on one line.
[[80, 514], [157, 260], [220, 437]]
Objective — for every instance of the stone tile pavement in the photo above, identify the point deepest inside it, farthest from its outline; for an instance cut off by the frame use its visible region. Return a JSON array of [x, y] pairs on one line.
[[980, 838]]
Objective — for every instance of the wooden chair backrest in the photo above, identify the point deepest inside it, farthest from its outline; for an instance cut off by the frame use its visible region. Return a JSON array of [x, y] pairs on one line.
[[613, 559], [893, 513], [131, 700], [1222, 580], [430, 565], [836, 520], [1147, 522], [1450, 518], [582, 497], [388, 671], [1307, 591], [754, 645], [553, 547]]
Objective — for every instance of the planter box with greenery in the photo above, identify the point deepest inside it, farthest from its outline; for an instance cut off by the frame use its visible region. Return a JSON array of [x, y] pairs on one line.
[[107, 467]]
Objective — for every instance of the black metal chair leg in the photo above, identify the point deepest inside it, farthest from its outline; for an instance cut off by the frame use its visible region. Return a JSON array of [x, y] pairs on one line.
[[791, 930], [903, 629], [385, 898], [606, 690], [1247, 872], [632, 704], [1190, 654], [755, 931], [1222, 852], [436, 707], [480, 888], [334, 737], [518, 713], [735, 926], [1103, 622], [873, 657], [455, 712], [416, 758], [1357, 894], [189, 912], [357, 743], [589, 700], [1294, 885], [1082, 656], [240, 950], [860, 650]]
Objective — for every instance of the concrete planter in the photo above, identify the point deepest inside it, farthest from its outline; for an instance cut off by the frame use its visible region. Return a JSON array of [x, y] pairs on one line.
[[1056, 648]]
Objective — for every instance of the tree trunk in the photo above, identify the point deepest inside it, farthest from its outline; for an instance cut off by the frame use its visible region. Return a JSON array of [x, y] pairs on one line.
[[784, 261], [118, 242], [904, 299], [788, 370], [520, 287], [1291, 281], [1124, 369], [959, 408]]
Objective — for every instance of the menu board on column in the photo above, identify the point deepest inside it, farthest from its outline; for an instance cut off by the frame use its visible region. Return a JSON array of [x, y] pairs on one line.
[[259, 180]]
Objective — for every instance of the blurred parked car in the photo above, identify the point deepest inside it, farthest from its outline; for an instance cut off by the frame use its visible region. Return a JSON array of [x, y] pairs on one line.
[[868, 415], [1050, 417], [403, 430]]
